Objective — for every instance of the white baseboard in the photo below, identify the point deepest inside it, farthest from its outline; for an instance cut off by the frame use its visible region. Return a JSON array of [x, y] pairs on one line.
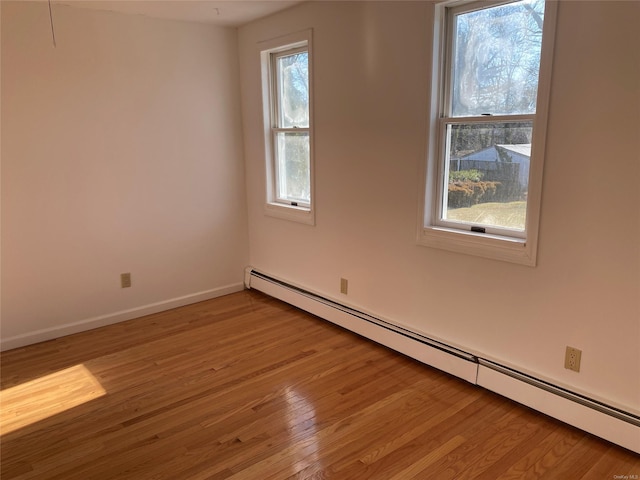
[[115, 317], [607, 422]]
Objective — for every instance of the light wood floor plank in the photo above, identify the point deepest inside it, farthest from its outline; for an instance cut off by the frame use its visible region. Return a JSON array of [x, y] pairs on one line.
[[247, 387]]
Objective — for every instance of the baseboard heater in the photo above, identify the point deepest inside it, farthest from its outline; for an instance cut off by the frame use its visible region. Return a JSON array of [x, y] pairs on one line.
[[608, 422]]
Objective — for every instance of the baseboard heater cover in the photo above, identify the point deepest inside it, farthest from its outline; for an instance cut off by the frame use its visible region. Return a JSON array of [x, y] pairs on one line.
[[589, 415], [595, 417], [431, 352]]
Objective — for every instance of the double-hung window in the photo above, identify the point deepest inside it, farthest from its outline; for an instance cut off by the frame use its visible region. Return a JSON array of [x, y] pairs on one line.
[[488, 123], [288, 135]]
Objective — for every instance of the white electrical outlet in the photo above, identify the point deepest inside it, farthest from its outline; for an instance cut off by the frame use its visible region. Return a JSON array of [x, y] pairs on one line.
[[125, 280], [572, 358], [344, 285]]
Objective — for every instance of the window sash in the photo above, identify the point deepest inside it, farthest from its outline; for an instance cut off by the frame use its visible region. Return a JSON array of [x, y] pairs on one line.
[[449, 36], [446, 119], [276, 104], [443, 173], [295, 202], [275, 117]]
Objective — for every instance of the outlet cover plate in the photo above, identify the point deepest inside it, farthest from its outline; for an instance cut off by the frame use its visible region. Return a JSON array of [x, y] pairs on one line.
[[572, 359], [125, 280]]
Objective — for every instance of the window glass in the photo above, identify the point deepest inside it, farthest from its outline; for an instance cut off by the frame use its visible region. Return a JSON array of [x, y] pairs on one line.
[[496, 59], [487, 174], [292, 153], [293, 90]]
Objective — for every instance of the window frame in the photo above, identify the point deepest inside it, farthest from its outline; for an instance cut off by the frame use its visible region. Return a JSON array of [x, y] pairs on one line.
[[270, 51], [495, 243]]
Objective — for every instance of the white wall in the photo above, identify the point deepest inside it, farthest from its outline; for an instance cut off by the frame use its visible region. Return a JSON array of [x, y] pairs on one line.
[[121, 152], [371, 79]]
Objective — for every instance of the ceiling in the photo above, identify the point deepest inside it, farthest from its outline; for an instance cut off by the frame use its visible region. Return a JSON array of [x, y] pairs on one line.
[[229, 13]]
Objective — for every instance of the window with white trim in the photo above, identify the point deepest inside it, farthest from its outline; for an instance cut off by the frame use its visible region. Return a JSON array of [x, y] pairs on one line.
[[288, 134], [488, 123]]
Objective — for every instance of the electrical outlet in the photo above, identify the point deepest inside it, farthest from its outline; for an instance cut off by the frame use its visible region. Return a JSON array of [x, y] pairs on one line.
[[344, 285], [125, 280], [572, 359]]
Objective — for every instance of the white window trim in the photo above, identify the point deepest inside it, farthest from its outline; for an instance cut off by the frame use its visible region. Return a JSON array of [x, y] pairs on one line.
[[507, 248], [273, 206]]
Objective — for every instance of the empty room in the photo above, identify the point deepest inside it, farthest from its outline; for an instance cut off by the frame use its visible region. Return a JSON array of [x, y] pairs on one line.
[[320, 239]]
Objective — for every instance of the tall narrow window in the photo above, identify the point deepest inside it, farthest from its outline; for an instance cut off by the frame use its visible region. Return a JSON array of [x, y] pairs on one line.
[[291, 126], [489, 127], [287, 91]]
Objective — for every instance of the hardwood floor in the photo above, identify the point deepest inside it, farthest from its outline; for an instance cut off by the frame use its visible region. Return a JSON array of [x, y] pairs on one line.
[[246, 387]]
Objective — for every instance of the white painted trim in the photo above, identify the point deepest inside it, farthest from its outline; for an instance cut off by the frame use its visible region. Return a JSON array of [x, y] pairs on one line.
[[604, 426], [273, 208], [115, 317], [436, 234], [289, 212], [508, 249], [247, 277]]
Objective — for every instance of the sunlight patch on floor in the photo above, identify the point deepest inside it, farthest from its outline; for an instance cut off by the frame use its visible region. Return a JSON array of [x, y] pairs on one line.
[[44, 397]]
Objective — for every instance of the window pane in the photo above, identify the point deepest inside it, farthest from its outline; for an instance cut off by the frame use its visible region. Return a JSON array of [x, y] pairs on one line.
[[293, 90], [496, 59], [292, 153], [487, 174]]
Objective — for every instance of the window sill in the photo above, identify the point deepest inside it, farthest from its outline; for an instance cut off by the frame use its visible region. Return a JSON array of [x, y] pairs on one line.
[[289, 212], [507, 249]]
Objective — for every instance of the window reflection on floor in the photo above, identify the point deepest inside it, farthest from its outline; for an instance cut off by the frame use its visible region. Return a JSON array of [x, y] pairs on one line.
[[301, 423]]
